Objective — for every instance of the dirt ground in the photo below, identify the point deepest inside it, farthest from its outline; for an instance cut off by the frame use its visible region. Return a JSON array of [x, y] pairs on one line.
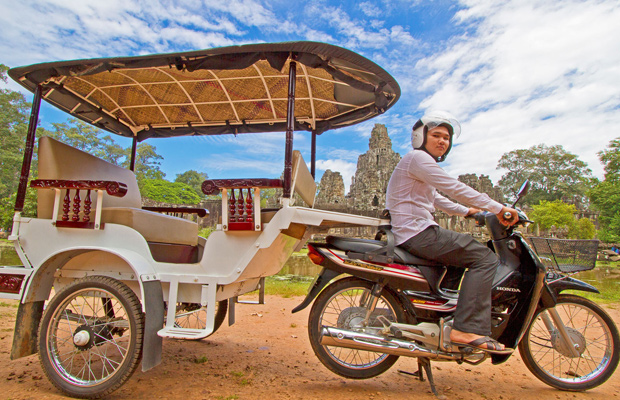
[[266, 355]]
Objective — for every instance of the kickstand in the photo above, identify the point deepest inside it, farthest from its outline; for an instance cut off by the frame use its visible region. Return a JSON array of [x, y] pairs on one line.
[[424, 365]]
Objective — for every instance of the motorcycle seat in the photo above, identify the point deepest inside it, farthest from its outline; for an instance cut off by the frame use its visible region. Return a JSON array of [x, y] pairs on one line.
[[357, 245]]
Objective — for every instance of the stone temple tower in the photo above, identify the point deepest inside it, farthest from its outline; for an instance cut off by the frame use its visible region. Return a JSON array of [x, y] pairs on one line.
[[374, 169], [331, 189]]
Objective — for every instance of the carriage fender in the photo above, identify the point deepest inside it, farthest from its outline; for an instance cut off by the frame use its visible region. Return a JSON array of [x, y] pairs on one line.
[[39, 286]]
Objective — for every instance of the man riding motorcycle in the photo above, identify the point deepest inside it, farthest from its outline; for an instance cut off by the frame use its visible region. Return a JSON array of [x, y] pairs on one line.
[[412, 198]]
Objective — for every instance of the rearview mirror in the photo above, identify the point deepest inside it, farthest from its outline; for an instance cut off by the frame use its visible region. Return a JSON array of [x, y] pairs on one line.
[[524, 188], [522, 192]]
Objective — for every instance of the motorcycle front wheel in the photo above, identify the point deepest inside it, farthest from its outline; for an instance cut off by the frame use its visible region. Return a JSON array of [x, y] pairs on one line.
[[592, 332], [343, 305]]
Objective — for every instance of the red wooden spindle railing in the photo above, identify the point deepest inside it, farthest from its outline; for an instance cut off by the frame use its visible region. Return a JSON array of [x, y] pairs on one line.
[[232, 208], [76, 206], [240, 206], [66, 206], [87, 204], [249, 206]]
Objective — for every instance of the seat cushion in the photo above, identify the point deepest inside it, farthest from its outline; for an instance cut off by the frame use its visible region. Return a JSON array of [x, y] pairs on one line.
[[153, 226], [367, 245]]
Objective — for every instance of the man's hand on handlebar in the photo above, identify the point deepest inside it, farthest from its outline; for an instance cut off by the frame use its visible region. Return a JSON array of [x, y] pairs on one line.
[[508, 216]]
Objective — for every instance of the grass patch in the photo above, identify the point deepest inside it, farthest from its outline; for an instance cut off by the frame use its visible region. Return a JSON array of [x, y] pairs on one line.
[[3, 304], [200, 360], [605, 297], [241, 377], [607, 264], [287, 286]]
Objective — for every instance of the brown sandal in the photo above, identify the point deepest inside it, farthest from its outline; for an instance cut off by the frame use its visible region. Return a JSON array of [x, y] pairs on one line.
[[492, 345]]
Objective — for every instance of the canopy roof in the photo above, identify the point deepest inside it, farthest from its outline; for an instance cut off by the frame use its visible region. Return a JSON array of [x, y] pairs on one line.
[[237, 89]]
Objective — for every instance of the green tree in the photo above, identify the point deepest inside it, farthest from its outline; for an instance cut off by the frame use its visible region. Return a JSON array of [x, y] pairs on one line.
[[605, 197], [14, 114], [165, 191], [554, 174], [582, 229], [611, 159], [13, 128], [194, 179], [553, 213], [92, 140], [147, 163]]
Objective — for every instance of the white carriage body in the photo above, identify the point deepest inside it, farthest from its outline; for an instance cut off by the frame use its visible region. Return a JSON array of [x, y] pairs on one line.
[[228, 264]]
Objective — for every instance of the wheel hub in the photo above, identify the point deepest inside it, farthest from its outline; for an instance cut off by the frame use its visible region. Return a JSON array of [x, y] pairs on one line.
[[81, 338], [87, 336], [351, 317], [561, 347]]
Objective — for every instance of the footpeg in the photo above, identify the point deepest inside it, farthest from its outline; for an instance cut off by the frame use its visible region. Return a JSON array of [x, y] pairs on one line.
[[397, 333], [390, 328]]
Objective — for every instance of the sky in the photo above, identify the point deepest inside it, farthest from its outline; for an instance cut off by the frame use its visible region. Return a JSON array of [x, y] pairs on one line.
[[515, 73]]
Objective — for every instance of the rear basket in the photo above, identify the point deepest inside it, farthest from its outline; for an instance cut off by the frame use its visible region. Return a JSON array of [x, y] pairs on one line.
[[566, 255]]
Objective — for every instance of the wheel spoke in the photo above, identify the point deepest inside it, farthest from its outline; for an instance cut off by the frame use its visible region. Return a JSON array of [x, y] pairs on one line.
[[102, 315]]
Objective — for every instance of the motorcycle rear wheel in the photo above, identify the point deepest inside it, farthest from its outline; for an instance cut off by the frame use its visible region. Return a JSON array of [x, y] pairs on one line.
[[595, 335], [339, 305]]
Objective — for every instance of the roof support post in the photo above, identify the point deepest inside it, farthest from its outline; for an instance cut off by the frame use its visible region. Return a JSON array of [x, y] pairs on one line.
[[290, 127], [313, 155], [30, 137], [134, 147]]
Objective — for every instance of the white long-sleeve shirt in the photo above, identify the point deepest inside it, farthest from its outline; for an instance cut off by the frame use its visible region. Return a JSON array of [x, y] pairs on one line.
[[412, 195]]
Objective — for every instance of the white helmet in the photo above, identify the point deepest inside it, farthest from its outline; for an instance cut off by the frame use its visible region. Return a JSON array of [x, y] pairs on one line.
[[431, 120]]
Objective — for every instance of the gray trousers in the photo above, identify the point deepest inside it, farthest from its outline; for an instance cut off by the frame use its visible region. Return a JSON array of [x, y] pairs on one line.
[[473, 310]]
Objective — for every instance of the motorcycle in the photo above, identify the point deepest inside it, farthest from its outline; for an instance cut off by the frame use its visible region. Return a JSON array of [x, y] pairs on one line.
[[395, 304]]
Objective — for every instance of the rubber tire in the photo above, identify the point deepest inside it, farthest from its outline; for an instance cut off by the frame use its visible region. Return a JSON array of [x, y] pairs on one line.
[[220, 316], [526, 355], [135, 316], [314, 328]]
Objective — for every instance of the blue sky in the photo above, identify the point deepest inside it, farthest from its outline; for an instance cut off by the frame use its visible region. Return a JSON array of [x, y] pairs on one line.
[[516, 73]]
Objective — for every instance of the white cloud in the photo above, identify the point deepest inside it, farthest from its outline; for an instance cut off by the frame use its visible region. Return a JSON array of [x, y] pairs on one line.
[[370, 9], [359, 34], [221, 164], [248, 12], [532, 72], [67, 29]]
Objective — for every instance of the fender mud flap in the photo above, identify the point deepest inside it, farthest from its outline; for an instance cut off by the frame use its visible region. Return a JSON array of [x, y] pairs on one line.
[[324, 277], [26, 329], [153, 322]]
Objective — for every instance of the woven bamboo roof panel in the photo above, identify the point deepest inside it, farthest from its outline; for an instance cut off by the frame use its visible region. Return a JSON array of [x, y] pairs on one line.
[[237, 89]]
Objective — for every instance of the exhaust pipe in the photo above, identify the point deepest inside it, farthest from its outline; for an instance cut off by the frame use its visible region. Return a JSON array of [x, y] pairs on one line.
[[331, 336]]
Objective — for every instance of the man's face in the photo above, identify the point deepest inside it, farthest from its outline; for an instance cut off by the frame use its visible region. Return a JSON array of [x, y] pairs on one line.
[[438, 141]]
